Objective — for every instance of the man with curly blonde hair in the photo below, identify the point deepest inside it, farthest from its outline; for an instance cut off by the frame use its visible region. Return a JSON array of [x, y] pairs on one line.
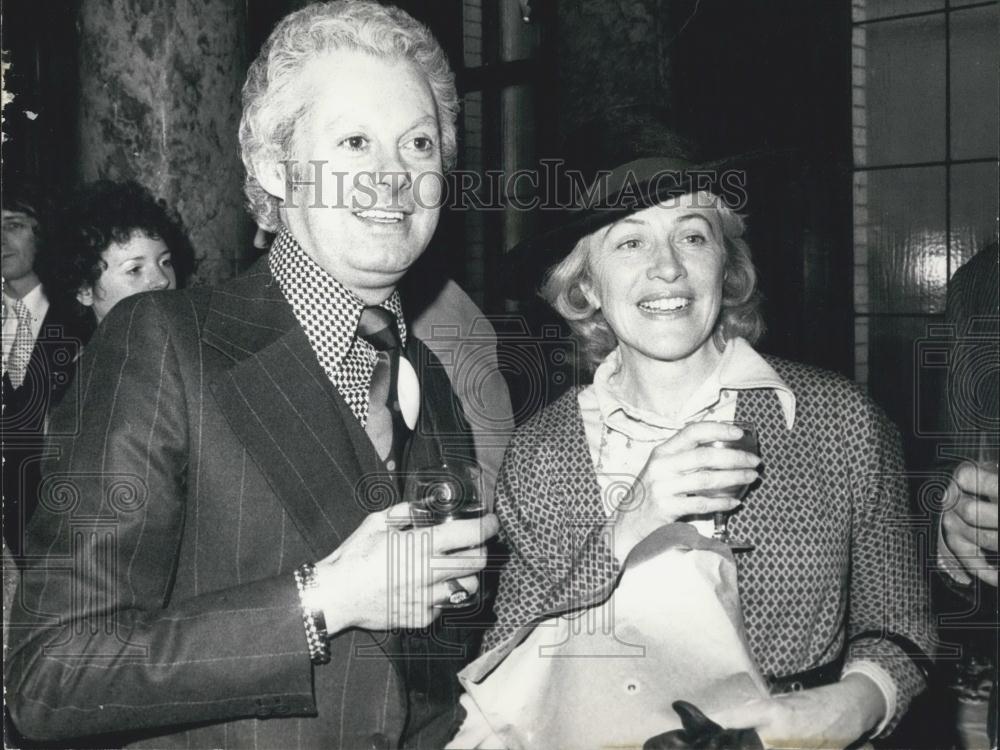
[[235, 567]]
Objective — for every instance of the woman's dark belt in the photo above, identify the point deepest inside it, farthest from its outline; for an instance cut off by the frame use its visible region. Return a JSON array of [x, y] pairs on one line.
[[810, 678], [830, 672]]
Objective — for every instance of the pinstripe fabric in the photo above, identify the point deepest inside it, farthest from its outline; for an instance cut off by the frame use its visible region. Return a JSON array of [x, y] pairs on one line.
[[216, 458], [834, 556]]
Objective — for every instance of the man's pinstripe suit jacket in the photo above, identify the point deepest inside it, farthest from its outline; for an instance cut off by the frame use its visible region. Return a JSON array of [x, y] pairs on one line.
[[210, 456]]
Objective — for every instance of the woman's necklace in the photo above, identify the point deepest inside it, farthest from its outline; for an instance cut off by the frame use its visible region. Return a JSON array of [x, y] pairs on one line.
[[602, 446]]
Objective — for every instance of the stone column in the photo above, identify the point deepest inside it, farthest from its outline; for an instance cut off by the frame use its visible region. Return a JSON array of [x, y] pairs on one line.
[[160, 103]]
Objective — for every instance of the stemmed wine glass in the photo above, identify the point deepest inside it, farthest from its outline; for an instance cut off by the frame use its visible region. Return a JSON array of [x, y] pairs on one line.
[[440, 494], [746, 442]]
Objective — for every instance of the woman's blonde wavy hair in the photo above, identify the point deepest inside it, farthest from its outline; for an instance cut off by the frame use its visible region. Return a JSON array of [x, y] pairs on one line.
[[740, 314]]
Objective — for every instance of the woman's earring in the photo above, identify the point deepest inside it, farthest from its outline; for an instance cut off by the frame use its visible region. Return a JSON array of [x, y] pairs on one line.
[[589, 295]]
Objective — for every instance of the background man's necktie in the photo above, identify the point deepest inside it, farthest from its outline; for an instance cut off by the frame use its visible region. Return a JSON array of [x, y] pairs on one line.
[[20, 351], [386, 425]]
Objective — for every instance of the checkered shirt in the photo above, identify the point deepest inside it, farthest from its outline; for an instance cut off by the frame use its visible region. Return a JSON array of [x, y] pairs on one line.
[[329, 314]]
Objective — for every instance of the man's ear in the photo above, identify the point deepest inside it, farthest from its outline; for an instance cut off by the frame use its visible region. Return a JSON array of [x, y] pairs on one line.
[[85, 296], [270, 173]]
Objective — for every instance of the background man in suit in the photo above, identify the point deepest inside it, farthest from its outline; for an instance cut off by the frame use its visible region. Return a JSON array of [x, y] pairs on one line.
[[219, 550], [41, 342], [969, 523]]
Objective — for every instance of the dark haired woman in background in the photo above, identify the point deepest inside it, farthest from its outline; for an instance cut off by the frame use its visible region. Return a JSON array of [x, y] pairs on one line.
[[115, 240]]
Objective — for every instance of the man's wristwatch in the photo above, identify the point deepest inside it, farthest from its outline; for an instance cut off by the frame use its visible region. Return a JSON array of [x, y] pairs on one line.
[[312, 616]]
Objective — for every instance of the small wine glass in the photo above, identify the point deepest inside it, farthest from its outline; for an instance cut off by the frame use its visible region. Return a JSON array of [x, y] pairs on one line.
[[440, 494], [746, 442]]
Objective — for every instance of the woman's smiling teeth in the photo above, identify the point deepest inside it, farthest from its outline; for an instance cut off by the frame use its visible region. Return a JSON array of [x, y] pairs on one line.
[[380, 215], [664, 304]]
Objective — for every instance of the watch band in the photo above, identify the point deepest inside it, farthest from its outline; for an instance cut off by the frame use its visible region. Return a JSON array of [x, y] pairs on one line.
[[312, 616]]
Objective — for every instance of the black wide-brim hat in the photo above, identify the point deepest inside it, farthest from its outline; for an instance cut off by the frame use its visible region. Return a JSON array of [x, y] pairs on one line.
[[610, 196]]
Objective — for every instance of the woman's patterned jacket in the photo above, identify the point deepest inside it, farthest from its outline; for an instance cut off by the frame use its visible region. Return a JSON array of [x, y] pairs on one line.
[[836, 547]]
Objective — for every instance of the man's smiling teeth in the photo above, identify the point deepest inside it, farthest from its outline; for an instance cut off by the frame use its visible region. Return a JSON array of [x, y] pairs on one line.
[[665, 304], [378, 214]]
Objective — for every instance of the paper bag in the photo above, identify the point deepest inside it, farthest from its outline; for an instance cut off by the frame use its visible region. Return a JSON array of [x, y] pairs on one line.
[[605, 677]]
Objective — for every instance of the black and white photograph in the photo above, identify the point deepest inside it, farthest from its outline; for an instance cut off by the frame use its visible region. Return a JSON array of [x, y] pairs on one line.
[[500, 374]]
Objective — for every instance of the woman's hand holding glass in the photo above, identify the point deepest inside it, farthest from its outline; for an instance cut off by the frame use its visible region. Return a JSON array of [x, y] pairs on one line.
[[679, 479]]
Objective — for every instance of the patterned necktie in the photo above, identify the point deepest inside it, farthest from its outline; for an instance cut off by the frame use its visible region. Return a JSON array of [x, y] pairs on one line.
[[20, 350], [385, 425]]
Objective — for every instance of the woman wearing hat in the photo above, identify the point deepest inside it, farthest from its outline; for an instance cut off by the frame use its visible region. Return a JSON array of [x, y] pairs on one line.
[[659, 288]]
